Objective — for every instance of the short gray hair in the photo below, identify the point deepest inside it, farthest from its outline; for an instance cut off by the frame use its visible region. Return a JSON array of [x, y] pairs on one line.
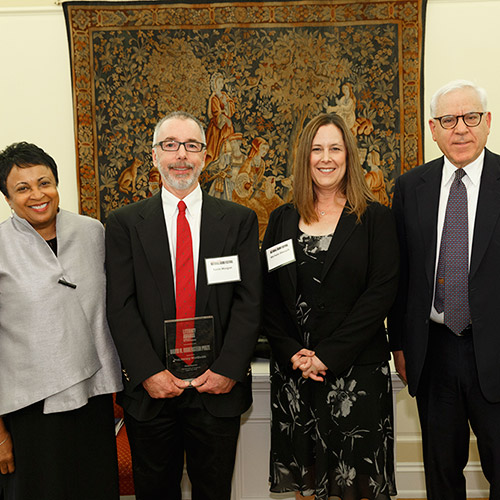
[[457, 85], [183, 115]]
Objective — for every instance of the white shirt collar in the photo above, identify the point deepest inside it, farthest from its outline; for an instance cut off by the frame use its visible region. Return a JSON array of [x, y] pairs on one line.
[[473, 170], [193, 202]]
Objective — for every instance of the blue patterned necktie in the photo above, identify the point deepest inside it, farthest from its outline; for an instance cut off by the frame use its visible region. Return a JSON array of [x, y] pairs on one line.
[[452, 278]]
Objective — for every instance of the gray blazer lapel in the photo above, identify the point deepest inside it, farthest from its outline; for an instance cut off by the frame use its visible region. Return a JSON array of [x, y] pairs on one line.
[[153, 236], [427, 195], [488, 209]]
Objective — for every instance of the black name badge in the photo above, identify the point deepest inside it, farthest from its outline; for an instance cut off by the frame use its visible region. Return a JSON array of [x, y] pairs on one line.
[[189, 344]]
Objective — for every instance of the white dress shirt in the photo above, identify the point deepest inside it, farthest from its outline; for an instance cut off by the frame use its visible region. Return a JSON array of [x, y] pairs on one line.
[[472, 181], [193, 203]]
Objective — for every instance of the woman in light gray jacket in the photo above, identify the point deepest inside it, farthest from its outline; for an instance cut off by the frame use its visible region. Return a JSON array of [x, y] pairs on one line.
[[58, 364]]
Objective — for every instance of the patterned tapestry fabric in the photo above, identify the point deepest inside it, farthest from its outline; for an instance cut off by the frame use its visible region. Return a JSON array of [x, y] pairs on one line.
[[254, 73]]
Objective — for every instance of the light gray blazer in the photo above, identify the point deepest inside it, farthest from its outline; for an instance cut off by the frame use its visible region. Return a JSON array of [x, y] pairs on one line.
[[55, 343]]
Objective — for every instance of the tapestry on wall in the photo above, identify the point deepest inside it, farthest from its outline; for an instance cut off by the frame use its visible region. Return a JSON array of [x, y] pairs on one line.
[[254, 73]]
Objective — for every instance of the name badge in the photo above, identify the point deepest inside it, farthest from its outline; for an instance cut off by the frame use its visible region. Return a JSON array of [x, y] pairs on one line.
[[280, 255], [223, 269]]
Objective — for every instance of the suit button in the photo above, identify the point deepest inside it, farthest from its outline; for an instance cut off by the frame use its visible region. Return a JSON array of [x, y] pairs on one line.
[[125, 374], [321, 306]]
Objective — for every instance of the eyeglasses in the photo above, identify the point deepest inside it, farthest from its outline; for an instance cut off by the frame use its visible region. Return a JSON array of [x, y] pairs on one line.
[[472, 119], [191, 147]]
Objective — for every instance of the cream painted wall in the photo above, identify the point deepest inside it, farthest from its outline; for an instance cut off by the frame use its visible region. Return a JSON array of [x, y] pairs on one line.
[[461, 41], [35, 88], [27, 3], [35, 91]]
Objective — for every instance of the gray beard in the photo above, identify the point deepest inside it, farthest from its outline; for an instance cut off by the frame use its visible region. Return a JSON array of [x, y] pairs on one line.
[[180, 184]]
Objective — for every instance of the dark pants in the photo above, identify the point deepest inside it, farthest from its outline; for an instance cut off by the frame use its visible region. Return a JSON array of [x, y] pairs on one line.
[[448, 399], [66, 455], [183, 427]]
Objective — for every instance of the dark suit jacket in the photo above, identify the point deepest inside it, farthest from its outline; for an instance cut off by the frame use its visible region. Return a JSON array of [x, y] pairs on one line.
[[415, 205], [358, 286], [141, 296]]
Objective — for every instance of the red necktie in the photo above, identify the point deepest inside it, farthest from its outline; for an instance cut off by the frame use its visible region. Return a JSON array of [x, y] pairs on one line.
[[185, 293]]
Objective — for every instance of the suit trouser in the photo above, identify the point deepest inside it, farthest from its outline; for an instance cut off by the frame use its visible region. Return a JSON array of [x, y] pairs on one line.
[[183, 427], [449, 398]]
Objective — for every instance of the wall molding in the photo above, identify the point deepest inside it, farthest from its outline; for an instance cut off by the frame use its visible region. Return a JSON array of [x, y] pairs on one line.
[[411, 483], [30, 11]]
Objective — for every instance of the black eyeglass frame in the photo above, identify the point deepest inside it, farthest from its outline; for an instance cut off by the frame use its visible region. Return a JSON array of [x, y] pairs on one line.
[[179, 144], [456, 117]]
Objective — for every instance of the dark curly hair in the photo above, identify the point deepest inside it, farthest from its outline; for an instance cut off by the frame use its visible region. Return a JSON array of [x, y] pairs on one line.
[[23, 155]]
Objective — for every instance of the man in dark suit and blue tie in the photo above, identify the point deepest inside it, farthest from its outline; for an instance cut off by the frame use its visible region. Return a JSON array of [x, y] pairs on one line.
[[159, 256], [445, 325]]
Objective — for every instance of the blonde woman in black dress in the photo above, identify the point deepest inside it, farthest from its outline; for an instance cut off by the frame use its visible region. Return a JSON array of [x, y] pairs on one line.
[[326, 298]]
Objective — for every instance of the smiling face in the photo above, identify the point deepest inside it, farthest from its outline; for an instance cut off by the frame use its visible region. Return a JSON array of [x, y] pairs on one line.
[[328, 158], [179, 169], [462, 144], [33, 196]]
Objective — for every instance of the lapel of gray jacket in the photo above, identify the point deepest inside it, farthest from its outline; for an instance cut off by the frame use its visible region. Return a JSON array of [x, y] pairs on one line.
[[488, 209], [427, 195], [152, 233]]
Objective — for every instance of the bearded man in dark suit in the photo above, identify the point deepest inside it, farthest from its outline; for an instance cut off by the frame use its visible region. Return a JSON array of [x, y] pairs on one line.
[[167, 416], [444, 328]]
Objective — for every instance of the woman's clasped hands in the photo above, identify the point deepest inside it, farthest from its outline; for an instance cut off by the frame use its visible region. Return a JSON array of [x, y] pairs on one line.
[[310, 365]]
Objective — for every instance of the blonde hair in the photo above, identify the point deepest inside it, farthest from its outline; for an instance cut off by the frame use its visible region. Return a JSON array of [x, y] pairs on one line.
[[353, 185]]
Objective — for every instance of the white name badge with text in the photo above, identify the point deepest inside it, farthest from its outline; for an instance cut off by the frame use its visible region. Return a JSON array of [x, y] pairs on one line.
[[280, 255], [223, 269]]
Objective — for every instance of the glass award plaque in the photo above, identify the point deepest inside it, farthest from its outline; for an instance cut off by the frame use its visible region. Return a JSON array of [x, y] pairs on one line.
[[194, 353]]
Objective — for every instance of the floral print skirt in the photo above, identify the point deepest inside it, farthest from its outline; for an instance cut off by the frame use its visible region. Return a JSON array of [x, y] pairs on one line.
[[333, 439]]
